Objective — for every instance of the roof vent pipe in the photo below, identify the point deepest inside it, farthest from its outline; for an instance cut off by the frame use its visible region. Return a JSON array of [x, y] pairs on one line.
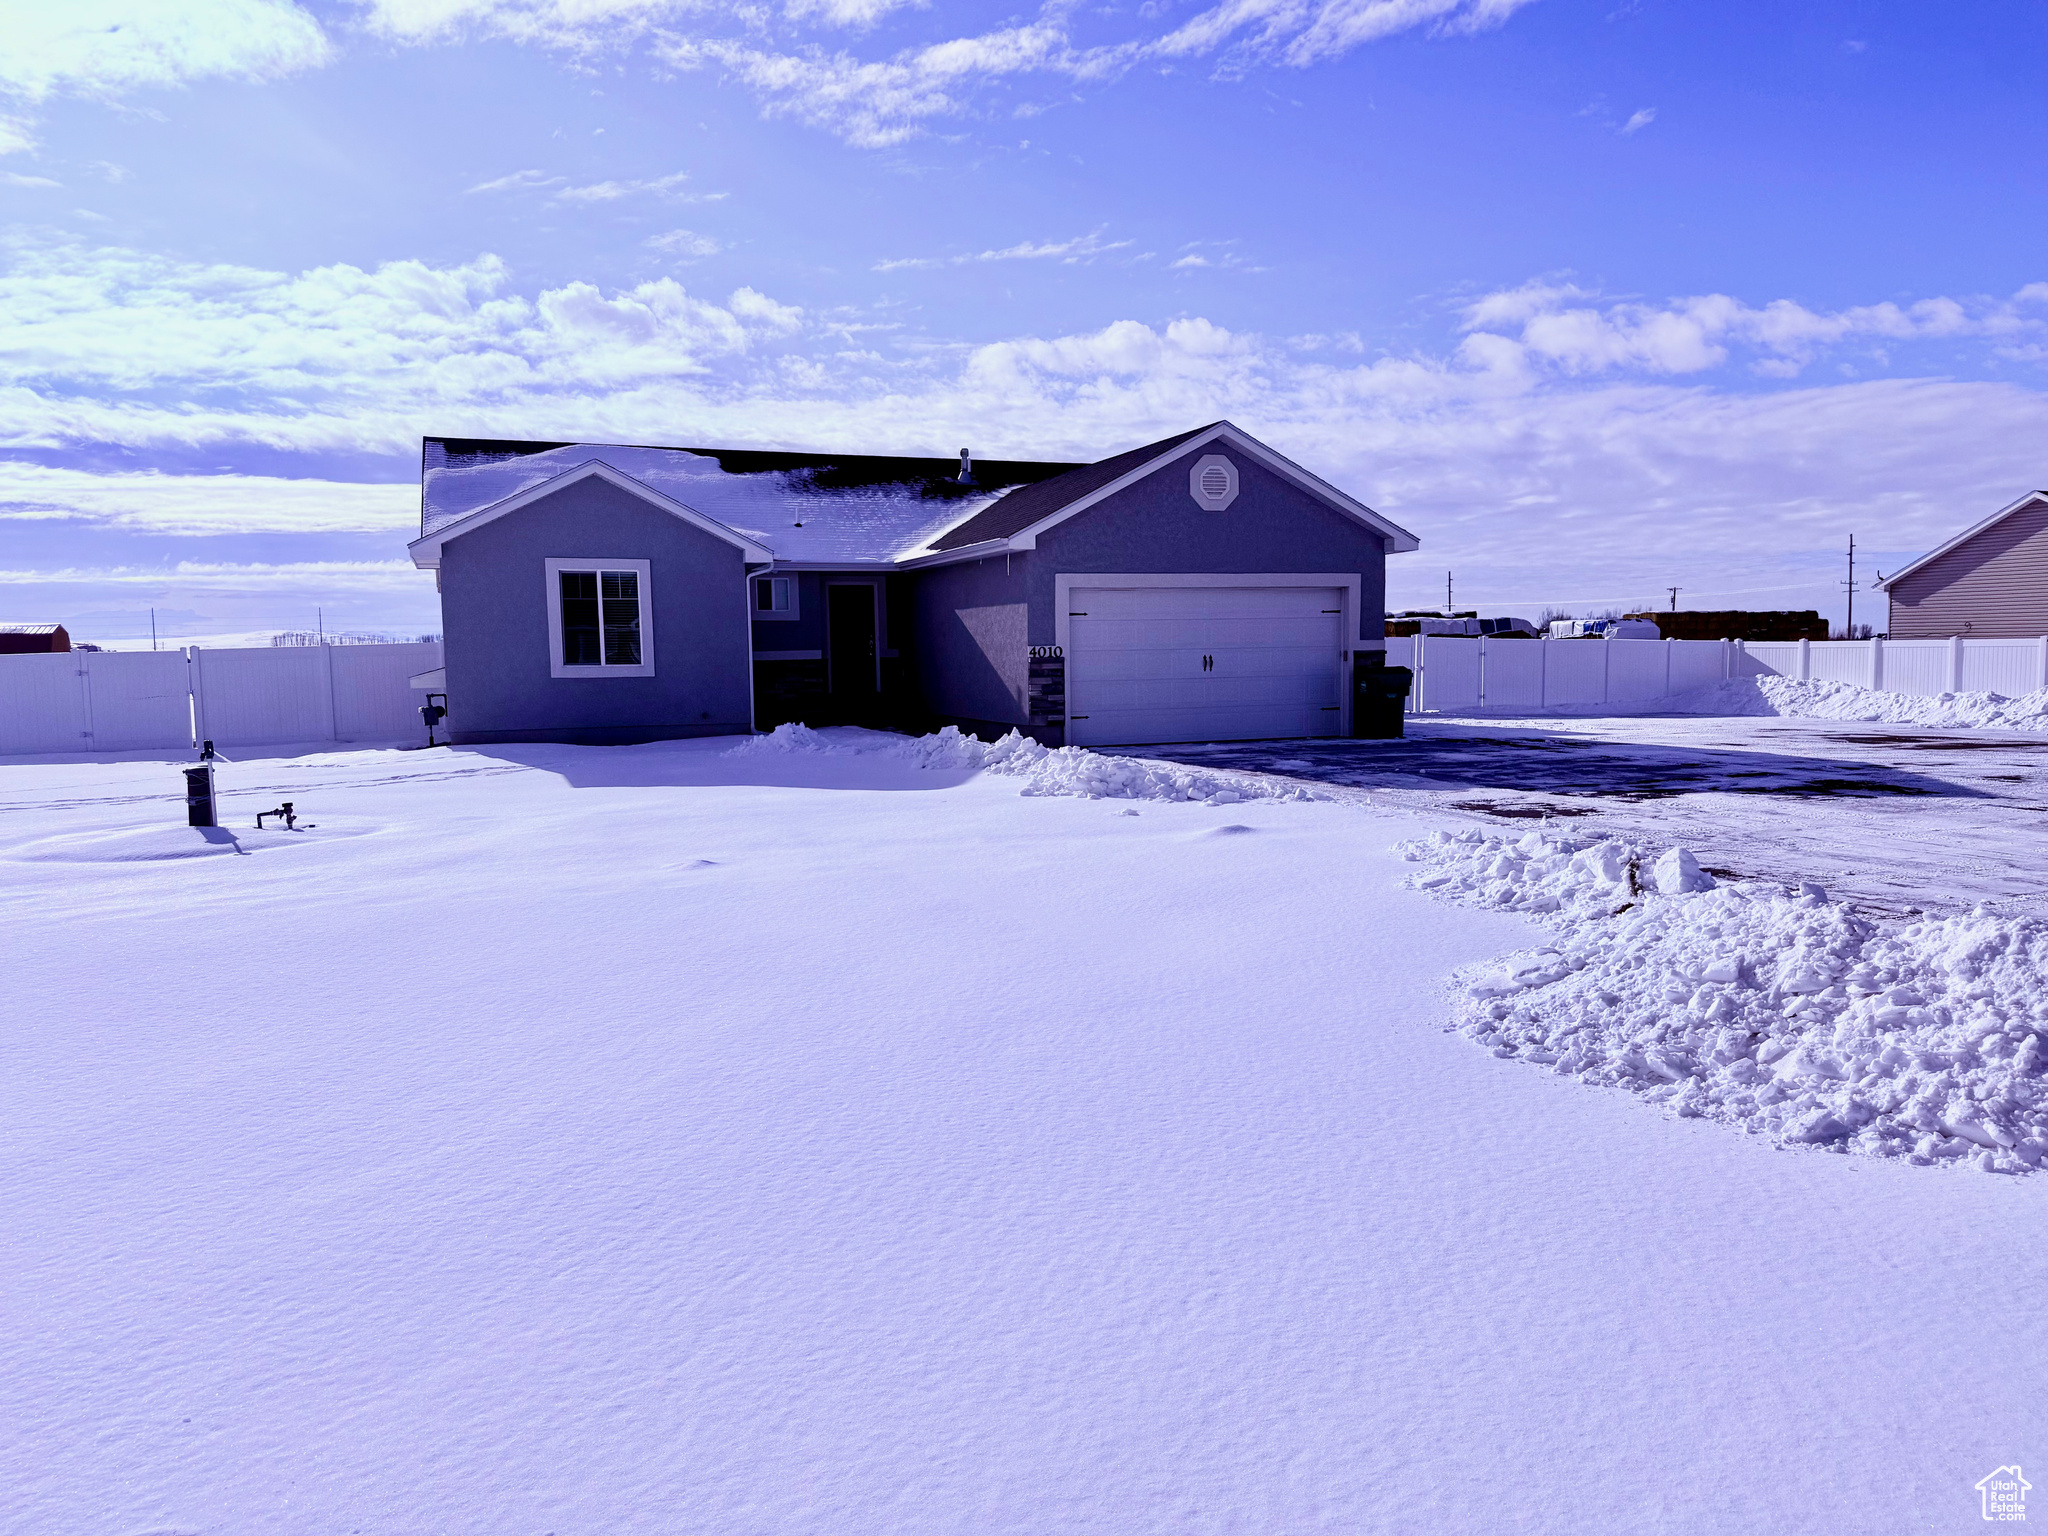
[[966, 467]]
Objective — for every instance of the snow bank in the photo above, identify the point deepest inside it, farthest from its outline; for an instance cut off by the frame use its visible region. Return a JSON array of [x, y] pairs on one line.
[[1845, 701], [1044, 770], [1775, 1010]]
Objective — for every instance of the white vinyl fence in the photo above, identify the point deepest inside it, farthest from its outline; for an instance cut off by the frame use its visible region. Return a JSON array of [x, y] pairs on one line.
[[122, 701], [1453, 673]]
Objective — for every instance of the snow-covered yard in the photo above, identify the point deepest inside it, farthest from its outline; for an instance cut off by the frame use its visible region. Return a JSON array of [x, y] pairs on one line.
[[662, 1139]]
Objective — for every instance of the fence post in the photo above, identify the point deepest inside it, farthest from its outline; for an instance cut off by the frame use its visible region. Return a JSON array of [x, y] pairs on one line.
[[1482, 671], [195, 682], [1955, 664], [1805, 661], [1876, 662], [1606, 671], [1543, 673], [333, 721], [2044, 663], [1667, 665]]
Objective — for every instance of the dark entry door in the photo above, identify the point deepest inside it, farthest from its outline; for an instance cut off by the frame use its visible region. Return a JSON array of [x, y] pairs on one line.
[[850, 621]]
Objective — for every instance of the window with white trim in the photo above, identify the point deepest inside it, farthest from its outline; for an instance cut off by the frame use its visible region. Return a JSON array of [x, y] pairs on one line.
[[600, 618], [775, 597]]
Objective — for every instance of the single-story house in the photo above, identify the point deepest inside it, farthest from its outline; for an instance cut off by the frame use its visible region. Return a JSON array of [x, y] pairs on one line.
[[1202, 587], [1989, 582], [33, 639]]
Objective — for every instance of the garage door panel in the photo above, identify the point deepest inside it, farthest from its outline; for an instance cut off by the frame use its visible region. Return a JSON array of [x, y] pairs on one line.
[[1203, 663], [1216, 602]]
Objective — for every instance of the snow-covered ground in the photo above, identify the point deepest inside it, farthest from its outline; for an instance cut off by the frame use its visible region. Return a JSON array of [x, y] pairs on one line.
[[1898, 819], [1819, 700], [834, 1136]]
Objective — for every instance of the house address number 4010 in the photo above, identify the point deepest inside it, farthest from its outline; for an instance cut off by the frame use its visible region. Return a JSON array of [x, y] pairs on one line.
[[1047, 653]]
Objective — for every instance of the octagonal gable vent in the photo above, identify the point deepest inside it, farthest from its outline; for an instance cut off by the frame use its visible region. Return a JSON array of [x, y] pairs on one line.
[[1213, 482]]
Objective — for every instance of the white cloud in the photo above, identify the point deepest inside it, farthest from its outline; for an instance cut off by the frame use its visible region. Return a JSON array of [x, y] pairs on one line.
[[16, 179], [686, 243], [1077, 251], [1639, 120], [575, 24], [107, 48], [1568, 329], [517, 181], [612, 191], [150, 502], [877, 102], [16, 135], [559, 189], [1548, 452]]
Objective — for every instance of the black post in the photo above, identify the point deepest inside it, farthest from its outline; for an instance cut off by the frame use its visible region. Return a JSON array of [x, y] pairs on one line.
[[199, 797]]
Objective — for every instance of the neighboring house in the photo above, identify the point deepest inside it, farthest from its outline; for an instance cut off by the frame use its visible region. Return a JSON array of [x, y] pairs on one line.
[[29, 639], [1987, 583], [1198, 588]]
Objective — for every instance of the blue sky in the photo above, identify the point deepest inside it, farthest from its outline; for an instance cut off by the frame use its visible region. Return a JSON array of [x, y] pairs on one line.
[[1596, 298]]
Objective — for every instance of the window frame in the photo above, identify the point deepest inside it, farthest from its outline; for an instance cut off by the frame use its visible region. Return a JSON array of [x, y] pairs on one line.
[[553, 567], [769, 615]]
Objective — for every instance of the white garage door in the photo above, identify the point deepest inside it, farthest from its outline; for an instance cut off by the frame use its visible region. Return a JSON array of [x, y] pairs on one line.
[[1203, 663]]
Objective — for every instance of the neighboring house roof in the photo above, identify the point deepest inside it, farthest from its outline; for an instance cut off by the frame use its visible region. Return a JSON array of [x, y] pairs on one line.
[[29, 629], [827, 510], [1017, 520], [1960, 539], [806, 508]]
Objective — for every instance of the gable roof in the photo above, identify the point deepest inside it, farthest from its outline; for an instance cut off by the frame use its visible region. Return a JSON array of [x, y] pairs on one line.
[[426, 550], [1961, 539], [29, 629], [1018, 518], [808, 508], [1023, 507], [825, 510]]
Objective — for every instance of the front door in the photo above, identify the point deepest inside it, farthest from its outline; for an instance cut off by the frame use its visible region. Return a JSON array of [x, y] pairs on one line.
[[850, 634]]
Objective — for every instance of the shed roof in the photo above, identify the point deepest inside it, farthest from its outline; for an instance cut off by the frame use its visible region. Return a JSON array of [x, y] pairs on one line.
[[29, 629]]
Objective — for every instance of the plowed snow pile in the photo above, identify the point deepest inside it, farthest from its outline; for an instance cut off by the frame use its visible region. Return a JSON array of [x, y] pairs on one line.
[[1773, 1009], [1044, 770], [1846, 701]]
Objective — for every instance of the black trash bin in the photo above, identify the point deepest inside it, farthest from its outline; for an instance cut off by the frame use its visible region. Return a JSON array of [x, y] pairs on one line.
[[1379, 695]]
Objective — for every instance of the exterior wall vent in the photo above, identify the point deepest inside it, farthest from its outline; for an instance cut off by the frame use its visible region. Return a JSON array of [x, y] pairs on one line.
[[1213, 482]]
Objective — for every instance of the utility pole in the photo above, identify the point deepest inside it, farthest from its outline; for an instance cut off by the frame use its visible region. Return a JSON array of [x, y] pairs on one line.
[[1674, 591], [320, 625], [152, 629], [1447, 594], [1849, 624]]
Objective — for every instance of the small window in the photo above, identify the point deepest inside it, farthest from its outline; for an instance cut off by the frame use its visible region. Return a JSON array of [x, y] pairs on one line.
[[775, 597], [598, 618]]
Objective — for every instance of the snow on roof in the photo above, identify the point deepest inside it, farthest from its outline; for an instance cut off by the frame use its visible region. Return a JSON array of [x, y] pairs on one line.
[[29, 629], [804, 508]]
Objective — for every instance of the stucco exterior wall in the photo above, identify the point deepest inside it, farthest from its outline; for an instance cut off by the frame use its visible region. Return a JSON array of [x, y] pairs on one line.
[[1155, 526], [494, 615], [977, 621], [969, 640], [1991, 587]]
